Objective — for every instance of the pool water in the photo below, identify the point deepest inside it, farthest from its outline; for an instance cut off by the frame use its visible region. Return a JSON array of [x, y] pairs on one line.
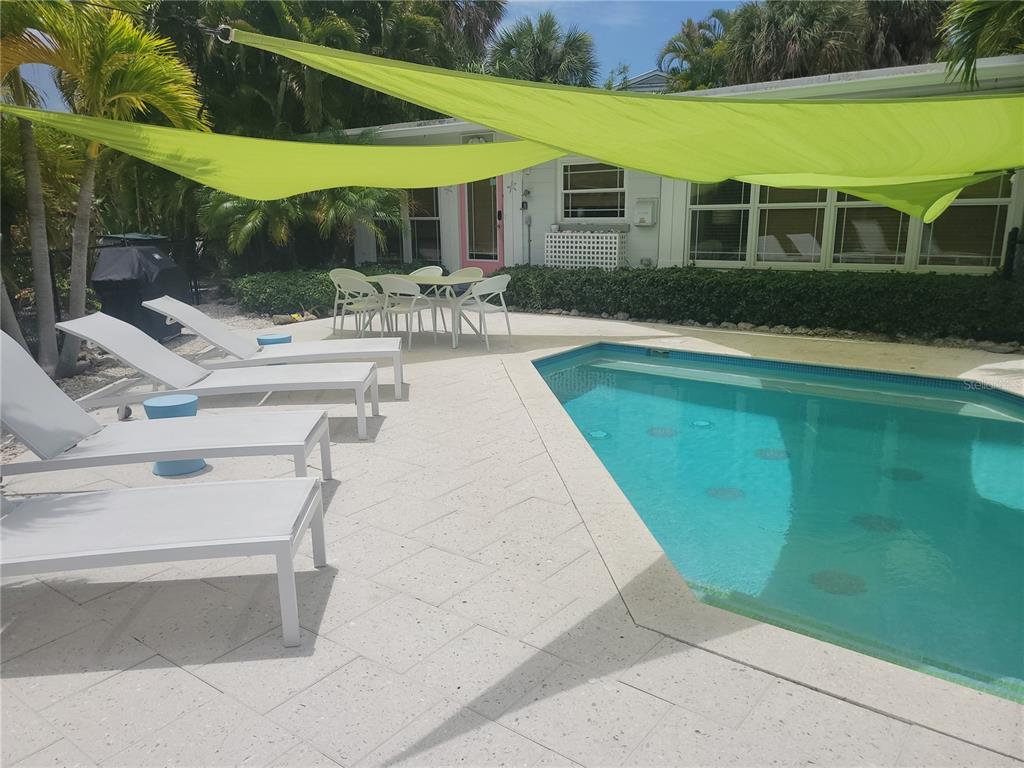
[[879, 512]]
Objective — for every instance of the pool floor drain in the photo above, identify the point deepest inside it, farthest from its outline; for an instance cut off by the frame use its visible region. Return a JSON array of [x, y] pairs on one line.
[[878, 523], [726, 493], [903, 474], [662, 432], [772, 454], [838, 583], [598, 434], [701, 424]]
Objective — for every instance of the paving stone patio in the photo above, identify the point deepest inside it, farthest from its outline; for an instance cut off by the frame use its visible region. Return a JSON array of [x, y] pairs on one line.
[[467, 616]]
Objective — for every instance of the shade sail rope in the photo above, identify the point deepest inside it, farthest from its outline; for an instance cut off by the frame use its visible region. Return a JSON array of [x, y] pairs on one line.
[[267, 169], [911, 154]]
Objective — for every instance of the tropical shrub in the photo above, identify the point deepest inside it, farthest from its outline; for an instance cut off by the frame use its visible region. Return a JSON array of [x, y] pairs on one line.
[[273, 293], [915, 304]]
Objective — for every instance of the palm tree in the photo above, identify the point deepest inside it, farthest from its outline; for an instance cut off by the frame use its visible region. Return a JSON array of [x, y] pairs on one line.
[[780, 39], [902, 32], [694, 57], [471, 24], [972, 29], [15, 18], [107, 66], [339, 212], [240, 221], [543, 53]]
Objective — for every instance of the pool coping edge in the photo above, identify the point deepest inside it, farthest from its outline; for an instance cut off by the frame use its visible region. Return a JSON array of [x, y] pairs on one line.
[[658, 598]]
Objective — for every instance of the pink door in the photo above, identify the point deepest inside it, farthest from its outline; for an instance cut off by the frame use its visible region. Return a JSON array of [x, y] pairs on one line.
[[481, 224]]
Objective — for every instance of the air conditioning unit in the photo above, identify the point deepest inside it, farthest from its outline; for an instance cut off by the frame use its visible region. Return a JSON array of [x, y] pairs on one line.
[[576, 250]]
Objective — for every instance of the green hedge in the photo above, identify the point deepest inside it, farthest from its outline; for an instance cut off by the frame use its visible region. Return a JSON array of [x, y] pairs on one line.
[[279, 293], [924, 305], [915, 304]]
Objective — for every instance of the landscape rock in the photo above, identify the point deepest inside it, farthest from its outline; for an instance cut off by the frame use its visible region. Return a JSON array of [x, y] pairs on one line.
[[622, 315], [803, 330], [762, 329], [729, 326], [574, 312], [745, 326]]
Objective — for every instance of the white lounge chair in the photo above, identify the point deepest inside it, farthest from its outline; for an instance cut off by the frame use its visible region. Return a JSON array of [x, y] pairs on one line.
[[245, 353], [63, 436], [180, 376], [101, 529]]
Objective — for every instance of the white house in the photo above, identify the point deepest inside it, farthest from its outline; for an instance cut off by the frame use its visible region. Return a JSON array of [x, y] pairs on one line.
[[576, 211]]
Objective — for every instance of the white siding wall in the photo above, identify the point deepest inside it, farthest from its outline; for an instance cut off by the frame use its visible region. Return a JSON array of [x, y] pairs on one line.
[[642, 242]]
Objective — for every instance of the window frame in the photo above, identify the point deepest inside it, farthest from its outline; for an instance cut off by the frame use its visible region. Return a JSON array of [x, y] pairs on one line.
[[411, 219], [1010, 203], [562, 192], [1014, 204]]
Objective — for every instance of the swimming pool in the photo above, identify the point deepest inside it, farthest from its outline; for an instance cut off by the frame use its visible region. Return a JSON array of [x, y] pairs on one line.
[[881, 512]]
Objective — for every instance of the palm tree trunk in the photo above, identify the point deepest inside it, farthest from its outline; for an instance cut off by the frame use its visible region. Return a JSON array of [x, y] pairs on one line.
[[41, 281], [79, 263], [8, 319]]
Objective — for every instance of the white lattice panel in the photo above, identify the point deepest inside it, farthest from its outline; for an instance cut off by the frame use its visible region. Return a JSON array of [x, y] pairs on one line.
[[573, 250]]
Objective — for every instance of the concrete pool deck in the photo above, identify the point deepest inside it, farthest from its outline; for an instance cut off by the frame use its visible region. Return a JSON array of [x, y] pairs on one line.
[[491, 599]]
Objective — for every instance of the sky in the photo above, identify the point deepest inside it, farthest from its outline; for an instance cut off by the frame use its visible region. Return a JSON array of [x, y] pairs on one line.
[[624, 31]]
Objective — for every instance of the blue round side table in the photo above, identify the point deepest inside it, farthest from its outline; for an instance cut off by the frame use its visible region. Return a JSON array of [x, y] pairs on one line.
[[171, 407], [273, 338]]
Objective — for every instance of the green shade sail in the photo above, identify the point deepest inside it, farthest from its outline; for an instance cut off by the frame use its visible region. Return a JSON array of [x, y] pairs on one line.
[[911, 154], [266, 169]]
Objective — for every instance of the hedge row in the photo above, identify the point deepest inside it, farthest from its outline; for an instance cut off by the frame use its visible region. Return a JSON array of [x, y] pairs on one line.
[[916, 304], [279, 293], [924, 305]]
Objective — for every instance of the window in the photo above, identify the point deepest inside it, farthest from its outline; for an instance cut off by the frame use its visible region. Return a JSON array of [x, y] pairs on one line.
[[719, 216], [389, 245], [790, 225], [970, 232], [867, 233], [425, 225], [593, 191]]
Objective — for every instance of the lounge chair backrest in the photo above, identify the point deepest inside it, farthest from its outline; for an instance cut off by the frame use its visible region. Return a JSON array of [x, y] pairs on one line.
[[214, 331], [34, 409], [432, 271], [132, 346]]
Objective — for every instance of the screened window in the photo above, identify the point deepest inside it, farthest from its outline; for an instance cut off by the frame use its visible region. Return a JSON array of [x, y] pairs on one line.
[[790, 225], [719, 217], [425, 225], [970, 232], [593, 191], [867, 233]]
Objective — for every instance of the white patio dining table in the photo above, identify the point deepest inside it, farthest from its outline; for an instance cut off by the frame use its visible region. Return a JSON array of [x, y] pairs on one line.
[[444, 288]]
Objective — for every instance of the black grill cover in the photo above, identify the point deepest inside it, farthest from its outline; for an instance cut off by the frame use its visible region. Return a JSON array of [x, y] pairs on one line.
[[125, 277]]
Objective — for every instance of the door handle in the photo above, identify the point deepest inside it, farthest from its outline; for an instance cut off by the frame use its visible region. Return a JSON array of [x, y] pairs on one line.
[[499, 215]]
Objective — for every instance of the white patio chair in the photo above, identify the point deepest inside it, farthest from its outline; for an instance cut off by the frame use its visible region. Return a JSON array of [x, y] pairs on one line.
[[477, 299], [63, 436], [244, 352], [103, 529], [179, 376], [403, 298], [353, 301]]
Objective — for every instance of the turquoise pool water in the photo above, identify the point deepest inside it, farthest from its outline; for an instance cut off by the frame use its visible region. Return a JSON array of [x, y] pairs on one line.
[[879, 512]]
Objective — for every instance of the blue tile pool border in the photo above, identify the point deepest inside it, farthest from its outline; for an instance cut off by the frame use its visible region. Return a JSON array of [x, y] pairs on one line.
[[971, 386]]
